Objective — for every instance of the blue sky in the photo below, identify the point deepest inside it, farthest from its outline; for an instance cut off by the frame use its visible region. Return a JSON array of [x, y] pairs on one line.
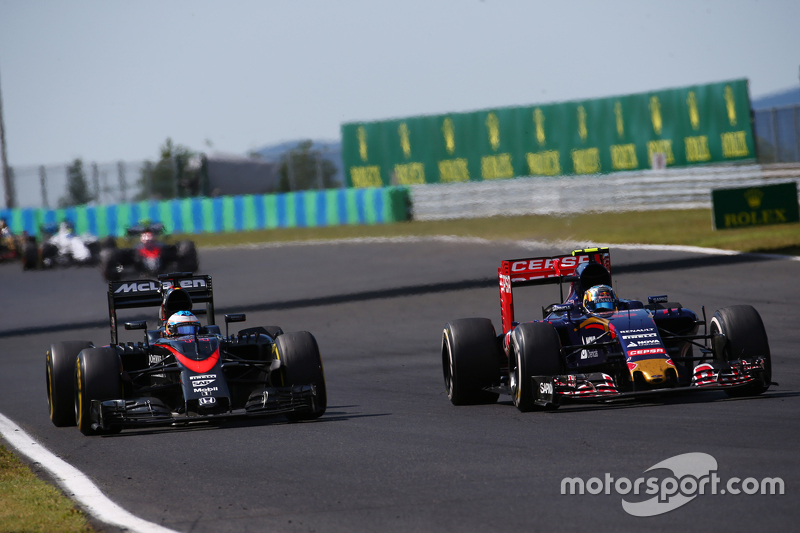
[[108, 81]]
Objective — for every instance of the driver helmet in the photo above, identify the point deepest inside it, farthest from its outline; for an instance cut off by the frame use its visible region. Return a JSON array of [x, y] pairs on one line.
[[147, 238], [600, 299], [182, 323]]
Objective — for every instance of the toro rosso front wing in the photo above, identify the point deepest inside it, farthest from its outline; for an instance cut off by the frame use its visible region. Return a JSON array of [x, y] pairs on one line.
[[598, 386], [149, 411]]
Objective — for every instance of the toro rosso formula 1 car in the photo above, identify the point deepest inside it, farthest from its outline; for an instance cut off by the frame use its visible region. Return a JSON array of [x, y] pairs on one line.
[[182, 375], [594, 346]]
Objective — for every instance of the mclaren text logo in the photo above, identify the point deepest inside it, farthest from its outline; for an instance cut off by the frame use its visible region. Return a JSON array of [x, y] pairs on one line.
[[150, 286], [693, 474]]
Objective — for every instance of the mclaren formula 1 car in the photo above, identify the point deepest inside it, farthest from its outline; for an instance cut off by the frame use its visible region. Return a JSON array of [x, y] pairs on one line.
[[170, 378], [621, 349], [151, 256]]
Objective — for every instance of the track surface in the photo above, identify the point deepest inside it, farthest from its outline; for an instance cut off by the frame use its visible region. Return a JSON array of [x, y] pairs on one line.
[[392, 453]]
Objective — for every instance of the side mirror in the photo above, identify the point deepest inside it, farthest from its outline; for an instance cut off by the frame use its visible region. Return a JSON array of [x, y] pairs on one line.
[[139, 324], [233, 317]]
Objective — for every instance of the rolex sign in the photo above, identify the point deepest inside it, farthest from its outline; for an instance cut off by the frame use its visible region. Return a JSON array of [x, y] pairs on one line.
[[755, 206]]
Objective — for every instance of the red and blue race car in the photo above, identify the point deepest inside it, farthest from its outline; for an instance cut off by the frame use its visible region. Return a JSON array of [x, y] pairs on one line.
[[593, 345]]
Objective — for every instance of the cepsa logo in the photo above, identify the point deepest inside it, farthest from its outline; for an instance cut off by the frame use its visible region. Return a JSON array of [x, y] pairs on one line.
[[545, 267], [150, 286]]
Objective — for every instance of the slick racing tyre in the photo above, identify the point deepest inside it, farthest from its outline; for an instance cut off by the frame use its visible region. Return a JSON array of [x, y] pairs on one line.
[[535, 351], [470, 361], [110, 264], [187, 257], [302, 365], [745, 338], [97, 377], [30, 256], [60, 390]]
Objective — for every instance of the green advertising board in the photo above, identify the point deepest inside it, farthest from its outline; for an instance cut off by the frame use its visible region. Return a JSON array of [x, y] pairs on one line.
[[689, 125], [755, 206]]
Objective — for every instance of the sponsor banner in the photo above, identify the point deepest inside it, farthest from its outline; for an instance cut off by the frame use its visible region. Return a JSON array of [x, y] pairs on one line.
[[755, 206], [682, 126]]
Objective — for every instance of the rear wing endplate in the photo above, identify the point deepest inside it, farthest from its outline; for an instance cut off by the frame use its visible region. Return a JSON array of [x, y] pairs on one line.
[[542, 271], [149, 293]]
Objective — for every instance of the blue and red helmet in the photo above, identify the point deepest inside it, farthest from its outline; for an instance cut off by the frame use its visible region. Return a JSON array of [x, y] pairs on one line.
[[182, 323], [600, 299]]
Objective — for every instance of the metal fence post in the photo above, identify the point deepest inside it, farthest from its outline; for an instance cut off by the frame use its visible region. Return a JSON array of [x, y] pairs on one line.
[[96, 182], [797, 133], [122, 185], [43, 185], [775, 135]]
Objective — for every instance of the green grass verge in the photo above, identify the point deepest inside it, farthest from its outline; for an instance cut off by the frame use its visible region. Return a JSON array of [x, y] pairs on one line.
[[689, 227], [29, 504]]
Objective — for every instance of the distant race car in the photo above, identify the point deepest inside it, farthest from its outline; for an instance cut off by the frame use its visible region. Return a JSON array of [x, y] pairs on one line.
[[10, 244], [595, 346], [150, 257], [60, 247], [182, 371]]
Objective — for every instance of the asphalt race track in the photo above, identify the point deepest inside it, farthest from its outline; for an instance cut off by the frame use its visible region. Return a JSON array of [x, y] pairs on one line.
[[391, 453]]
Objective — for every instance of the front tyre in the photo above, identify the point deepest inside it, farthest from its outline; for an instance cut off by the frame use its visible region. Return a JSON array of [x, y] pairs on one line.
[[745, 338], [470, 361], [535, 351], [30, 256], [302, 365], [60, 366], [97, 377]]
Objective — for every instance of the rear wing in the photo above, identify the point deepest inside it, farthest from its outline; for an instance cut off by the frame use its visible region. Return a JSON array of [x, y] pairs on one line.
[[150, 293], [542, 271]]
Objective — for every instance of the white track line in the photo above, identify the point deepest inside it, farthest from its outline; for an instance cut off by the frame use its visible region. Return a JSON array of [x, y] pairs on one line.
[[75, 484]]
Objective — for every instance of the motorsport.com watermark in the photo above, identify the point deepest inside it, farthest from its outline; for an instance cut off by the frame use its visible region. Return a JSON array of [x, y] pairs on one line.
[[694, 474]]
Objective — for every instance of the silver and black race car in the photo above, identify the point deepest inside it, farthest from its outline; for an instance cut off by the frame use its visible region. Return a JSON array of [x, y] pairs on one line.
[[620, 349], [177, 379]]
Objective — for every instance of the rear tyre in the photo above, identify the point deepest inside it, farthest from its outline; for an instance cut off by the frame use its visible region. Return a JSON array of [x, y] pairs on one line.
[[187, 257], [30, 256], [535, 351], [110, 264], [60, 389], [97, 377], [302, 365], [470, 361], [745, 338]]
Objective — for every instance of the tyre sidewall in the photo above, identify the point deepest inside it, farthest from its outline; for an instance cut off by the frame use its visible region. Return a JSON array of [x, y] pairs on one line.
[[302, 365], [470, 360], [536, 352], [97, 377], [745, 338], [60, 366]]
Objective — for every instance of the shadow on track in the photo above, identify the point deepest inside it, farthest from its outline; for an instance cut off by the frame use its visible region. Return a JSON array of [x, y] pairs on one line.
[[334, 414], [416, 290]]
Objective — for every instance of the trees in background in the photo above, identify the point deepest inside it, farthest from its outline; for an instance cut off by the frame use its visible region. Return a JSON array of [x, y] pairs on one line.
[[77, 188], [172, 176], [305, 168]]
